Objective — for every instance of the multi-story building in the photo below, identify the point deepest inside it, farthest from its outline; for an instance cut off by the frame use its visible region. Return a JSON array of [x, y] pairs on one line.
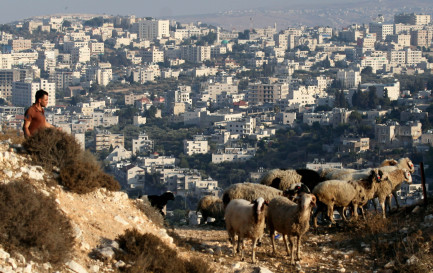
[[80, 54], [23, 93], [349, 78], [21, 44], [382, 30], [244, 126], [196, 146], [394, 134], [7, 77], [142, 144], [260, 93], [422, 37], [153, 55], [412, 19], [195, 54], [6, 61], [105, 140], [152, 29]]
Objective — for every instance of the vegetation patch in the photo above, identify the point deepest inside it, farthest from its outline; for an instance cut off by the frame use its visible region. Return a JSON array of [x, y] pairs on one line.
[[147, 253], [151, 212], [31, 224], [80, 172]]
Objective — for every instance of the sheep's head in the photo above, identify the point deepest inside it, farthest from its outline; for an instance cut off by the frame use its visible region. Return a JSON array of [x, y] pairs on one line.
[[295, 189], [407, 176], [258, 207], [389, 162], [306, 200], [377, 175], [168, 195]]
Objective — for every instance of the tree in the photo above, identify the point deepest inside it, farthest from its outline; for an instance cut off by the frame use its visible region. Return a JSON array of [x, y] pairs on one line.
[[151, 112], [373, 100], [94, 22], [367, 71], [66, 24]]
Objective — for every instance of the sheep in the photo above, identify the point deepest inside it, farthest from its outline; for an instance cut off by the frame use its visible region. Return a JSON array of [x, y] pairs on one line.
[[334, 174], [295, 190], [390, 165], [159, 201], [283, 179], [210, 206], [390, 182], [291, 219], [402, 163], [246, 220], [250, 192], [342, 193]]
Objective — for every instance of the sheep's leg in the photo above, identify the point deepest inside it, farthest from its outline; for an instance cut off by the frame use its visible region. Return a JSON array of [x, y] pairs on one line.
[[292, 245], [362, 212], [315, 215], [341, 211], [286, 244], [388, 202], [243, 248], [254, 249], [355, 211], [394, 193], [298, 253], [382, 205], [239, 243], [331, 213]]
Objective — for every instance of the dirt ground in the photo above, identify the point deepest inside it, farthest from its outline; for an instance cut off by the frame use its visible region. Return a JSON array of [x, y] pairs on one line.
[[324, 250]]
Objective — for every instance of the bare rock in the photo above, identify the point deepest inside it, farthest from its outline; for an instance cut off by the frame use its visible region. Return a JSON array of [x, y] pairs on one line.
[[76, 267]]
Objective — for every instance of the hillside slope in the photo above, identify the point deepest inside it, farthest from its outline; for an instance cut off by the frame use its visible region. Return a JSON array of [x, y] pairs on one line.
[[97, 219]]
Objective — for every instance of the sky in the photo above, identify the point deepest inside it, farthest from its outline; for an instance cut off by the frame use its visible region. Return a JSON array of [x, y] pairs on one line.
[[14, 10]]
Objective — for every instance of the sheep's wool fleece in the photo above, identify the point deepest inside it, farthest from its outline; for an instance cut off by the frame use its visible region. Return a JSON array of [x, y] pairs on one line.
[[338, 192], [287, 178], [251, 191]]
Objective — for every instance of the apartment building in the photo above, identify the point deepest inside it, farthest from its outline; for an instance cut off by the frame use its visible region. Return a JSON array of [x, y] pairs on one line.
[[142, 144], [105, 140], [195, 54], [153, 55], [196, 146], [349, 78], [152, 29], [260, 93], [394, 134], [23, 93], [412, 19], [382, 30]]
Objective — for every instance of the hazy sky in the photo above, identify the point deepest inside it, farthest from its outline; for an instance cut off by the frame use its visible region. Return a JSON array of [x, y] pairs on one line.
[[12, 10]]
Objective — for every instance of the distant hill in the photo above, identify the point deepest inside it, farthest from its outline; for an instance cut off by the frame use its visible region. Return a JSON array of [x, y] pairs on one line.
[[325, 14]]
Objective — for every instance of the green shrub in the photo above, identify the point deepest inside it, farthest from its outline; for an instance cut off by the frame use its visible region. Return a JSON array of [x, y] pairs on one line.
[[147, 253], [52, 148], [31, 224]]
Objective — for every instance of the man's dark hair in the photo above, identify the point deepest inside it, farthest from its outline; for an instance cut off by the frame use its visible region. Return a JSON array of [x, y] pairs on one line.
[[40, 94]]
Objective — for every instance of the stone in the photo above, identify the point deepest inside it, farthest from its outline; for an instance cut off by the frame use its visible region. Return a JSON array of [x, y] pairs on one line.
[[428, 218], [20, 258], [12, 262], [119, 264], [261, 270], [106, 253], [389, 265], [94, 268], [412, 260], [342, 270], [417, 209], [46, 266], [75, 267], [218, 250], [121, 220], [28, 269], [4, 255], [366, 249]]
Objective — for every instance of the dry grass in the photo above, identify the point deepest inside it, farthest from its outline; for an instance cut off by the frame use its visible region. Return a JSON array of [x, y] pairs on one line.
[[31, 224], [13, 135], [151, 212], [80, 172], [147, 253]]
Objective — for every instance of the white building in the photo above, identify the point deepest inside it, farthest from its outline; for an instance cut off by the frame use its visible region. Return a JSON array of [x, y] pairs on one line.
[[23, 93], [142, 144], [349, 78], [191, 147], [153, 29]]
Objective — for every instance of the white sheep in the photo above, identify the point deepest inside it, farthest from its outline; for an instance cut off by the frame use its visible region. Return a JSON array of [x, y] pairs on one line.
[[390, 165], [250, 192], [390, 182], [246, 220], [341, 194], [210, 206], [291, 219]]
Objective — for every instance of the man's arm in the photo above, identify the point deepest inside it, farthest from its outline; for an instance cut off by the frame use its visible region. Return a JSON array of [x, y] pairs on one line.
[[26, 128], [48, 125]]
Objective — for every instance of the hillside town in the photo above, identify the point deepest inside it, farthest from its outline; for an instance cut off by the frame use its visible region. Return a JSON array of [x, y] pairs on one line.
[[113, 79]]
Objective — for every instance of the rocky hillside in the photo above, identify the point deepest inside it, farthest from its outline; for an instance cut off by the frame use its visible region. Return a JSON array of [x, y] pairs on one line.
[[402, 243]]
